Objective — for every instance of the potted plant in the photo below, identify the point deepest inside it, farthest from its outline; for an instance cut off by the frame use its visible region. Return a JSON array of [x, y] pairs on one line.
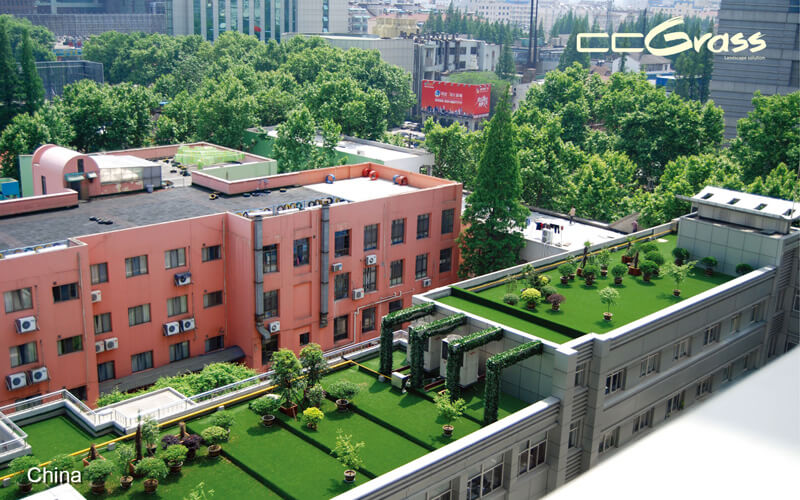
[[174, 456], [22, 465], [511, 299], [348, 454], [678, 275], [648, 268], [150, 434], [647, 247], [124, 463], [618, 272], [630, 251], [315, 395], [313, 362], [556, 300], [152, 469], [169, 440], [97, 472], [590, 273], [214, 436], [604, 258], [265, 406], [450, 410], [288, 378], [565, 270], [62, 462], [224, 419], [742, 269], [312, 416], [710, 262], [681, 255], [547, 291], [343, 392], [609, 297], [192, 443], [655, 256], [531, 297], [92, 455]]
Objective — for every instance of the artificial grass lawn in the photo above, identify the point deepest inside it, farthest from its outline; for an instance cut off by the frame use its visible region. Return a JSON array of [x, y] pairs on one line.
[[57, 435], [398, 360], [473, 396]]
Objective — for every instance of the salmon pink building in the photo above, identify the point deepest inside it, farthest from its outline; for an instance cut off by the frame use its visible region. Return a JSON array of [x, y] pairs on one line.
[[106, 285]]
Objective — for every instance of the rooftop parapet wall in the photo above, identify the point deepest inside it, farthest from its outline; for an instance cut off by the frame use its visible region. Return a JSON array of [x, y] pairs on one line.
[[19, 206]]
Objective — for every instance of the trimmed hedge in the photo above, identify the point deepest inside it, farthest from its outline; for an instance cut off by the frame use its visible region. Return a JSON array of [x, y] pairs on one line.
[[455, 355], [416, 337], [393, 320], [494, 365]]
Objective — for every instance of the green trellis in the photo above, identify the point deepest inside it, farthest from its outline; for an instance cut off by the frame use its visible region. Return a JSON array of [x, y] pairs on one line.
[[455, 355], [495, 365], [392, 321], [417, 337]]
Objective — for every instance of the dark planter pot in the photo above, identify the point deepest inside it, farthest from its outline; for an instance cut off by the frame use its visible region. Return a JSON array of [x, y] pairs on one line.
[[268, 420], [678, 262], [349, 476], [646, 277], [589, 281], [342, 404], [25, 487], [572, 277], [604, 272], [311, 426], [447, 430], [676, 292], [125, 482], [151, 450], [556, 307], [150, 486], [634, 271], [607, 316], [531, 306], [617, 281], [214, 450], [579, 271], [290, 411], [98, 488], [564, 280], [626, 259], [709, 271], [175, 468], [191, 453]]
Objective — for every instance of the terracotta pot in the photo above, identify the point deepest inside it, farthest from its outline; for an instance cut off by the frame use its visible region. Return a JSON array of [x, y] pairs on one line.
[[634, 271], [676, 292], [312, 426], [531, 306], [556, 307], [150, 485], [448, 430], [349, 476], [290, 411], [607, 316], [709, 271], [268, 420], [580, 271], [626, 259], [126, 482], [604, 272], [564, 280], [617, 281], [98, 488], [25, 487], [175, 467], [214, 450], [342, 404], [572, 277]]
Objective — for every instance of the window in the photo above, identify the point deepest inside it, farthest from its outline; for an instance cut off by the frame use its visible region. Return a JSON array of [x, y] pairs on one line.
[[489, 480], [447, 495], [423, 226], [398, 231], [142, 361], [445, 260], [674, 404], [17, 300], [271, 259], [755, 313], [532, 456], [271, 304], [305, 338], [102, 323], [609, 440], [301, 252], [447, 220], [62, 293], [681, 349], [268, 348], [175, 258], [396, 276], [735, 323], [615, 381], [368, 320], [134, 266], [212, 253], [371, 237], [341, 286], [779, 301], [727, 373], [772, 345], [370, 279], [212, 299], [177, 305], [649, 365], [138, 315], [796, 301], [70, 345], [581, 372], [421, 268], [23, 354], [340, 328], [179, 351], [341, 243], [643, 420], [704, 387], [395, 305], [105, 371], [214, 343], [575, 433], [44, 185], [99, 273], [711, 335], [749, 361]]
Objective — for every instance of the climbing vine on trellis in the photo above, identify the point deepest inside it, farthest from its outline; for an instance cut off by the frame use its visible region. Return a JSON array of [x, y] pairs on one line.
[[392, 321], [495, 365], [455, 355], [418, 336]]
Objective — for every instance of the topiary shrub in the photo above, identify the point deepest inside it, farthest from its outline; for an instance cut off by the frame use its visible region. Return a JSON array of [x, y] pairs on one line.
[[680, 254], [265, 405], [619, 270], [175, 454], [743, 268], [214, 435], [648, 267], [315, 395], [648, 247], [656, 257], [548, 291], [511, 299], [98, 470], [343, 389], [312, 417], [151, 468], [531, 297], [223, 418], [556, 300], [566, 269]]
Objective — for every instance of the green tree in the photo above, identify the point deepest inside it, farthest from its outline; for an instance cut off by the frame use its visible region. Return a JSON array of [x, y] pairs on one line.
[[49, 125], [603, 183], [32, 90], [42, 39], [295, 146], [494, 213], [506, 68], [454, 149], [225, 111], [571, 54], [779, 183], [8, 77], [325, 156]]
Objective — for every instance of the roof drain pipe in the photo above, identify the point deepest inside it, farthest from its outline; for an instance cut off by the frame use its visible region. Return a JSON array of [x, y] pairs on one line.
[[324, 267], [259, 271]]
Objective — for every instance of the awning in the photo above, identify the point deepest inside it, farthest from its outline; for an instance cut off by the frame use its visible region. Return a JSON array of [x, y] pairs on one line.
[[74, 177], [91, 175], [194, 364]]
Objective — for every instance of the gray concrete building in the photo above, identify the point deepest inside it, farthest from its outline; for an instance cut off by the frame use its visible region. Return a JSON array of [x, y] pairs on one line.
[[56, 75], [774, 70]]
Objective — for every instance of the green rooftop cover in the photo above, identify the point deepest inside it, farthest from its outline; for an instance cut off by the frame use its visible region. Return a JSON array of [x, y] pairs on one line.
[[203, 156]]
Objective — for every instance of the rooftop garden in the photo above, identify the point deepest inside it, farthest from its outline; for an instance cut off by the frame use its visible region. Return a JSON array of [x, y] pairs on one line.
[[597, 293]]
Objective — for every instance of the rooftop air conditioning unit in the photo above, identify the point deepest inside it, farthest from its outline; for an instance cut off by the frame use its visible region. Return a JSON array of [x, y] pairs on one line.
[[112, 343], [358, 293], [38, 375], [16, 381], [97, 296], [172, 328], [26, 324], [426, 282], [182, 279], [275, 327], [372, 260], [99, 346], [336, 267], [187, 324]]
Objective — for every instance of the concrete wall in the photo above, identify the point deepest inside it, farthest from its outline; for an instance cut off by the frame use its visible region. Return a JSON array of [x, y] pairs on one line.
[[246, 171], [38, 203]]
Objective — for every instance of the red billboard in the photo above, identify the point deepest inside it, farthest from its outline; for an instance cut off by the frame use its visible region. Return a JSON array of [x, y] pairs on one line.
[[455, 99]]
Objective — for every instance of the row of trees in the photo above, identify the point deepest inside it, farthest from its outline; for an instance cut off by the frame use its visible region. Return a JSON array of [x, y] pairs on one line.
[[20, 86], [455, 23]]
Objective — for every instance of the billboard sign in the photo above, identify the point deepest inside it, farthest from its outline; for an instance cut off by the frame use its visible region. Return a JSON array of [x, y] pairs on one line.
[[456, 99]]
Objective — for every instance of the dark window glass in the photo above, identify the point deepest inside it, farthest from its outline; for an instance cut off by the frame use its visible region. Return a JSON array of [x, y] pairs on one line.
[[340, 328], [271, 303], [421, 268], [63, 293], [212, 253], [134, 266], [177, 305], [69, 345], [99, 273], [395, 305], [396, 277], [102, 323], [368, 320], [105, 371], [301, 257], [174, 258], [23, 354], [341, 286], [212, 299], [138, 315], [179, 351], [305, 338], [370, 279], [371, 237], [445, 260], [341, 242], [268, 348], [214, 343], [398, 231], [271, 259], [142, 361], [423, 226], [447, 220], [18, 300]]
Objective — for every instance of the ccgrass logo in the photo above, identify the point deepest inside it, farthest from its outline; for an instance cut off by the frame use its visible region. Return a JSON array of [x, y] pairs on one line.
[[714, 43]]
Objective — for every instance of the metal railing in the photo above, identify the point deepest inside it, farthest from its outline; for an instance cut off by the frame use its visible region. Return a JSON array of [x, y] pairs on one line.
[[13, 438]]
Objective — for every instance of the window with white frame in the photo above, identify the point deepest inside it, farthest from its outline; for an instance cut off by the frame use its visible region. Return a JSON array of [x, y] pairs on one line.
[[575, 432], [488, 480], [532, 456], [649, 365], [175, 258], [703, 387], [581, 372], [681, 349], [674, 404], [609, 440], [643, 420], [735, 322], [615, 381], [711, 334]]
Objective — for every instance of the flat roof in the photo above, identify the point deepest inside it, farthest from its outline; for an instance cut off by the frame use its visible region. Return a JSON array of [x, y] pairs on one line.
[[362, 189], [746, 202], [121, 161], [571, 237]]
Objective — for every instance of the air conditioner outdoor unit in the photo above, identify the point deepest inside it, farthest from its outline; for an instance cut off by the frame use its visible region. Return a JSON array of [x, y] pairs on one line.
[[99, 346], [336, 267], [26, 324], [372, 260], [426, 282], [275, 326], [38, 375], [358, 293], [182, 279], [172, 328], [112, 343], [97, 296], [187, 324], [16, 381]]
